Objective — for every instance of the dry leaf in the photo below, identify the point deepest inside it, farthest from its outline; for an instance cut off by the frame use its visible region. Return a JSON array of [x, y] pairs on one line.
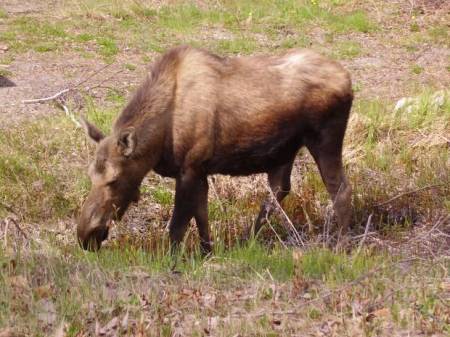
[[383, 312], [43, 291]]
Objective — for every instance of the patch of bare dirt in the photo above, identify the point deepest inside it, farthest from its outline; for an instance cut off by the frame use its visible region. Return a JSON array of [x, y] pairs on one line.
[[385, 71], [35, 75], [25, 6]]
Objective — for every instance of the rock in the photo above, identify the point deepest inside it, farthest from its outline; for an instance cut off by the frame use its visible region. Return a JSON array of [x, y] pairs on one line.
[[403, 103]]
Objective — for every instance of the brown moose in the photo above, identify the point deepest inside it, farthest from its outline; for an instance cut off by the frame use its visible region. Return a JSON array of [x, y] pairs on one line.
[[198, 114]]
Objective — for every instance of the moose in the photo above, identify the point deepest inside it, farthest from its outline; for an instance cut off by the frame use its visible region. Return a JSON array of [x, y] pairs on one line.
[[198, 114]]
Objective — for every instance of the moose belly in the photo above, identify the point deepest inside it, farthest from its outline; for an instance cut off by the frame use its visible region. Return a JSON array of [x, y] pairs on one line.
[[256, 158]]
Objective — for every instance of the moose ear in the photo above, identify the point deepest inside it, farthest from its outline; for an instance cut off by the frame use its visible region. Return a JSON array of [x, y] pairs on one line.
[[92, 131], [127, 141]]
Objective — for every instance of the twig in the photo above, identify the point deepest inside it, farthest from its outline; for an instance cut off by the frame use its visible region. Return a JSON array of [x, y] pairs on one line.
[[68, 114], [95, 73], [369, 222], [58, 94], [104, 80], [18, 227], [407, 193], [45, 99], [8, 207], [5, 237], [275, 232], [296, 234]]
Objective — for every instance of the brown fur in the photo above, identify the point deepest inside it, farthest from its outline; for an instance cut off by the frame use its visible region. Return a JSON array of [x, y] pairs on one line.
[[198, 114]]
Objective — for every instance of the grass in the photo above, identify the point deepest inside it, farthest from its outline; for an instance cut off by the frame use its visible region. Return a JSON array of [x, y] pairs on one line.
[[416, 69], [347, 50], [126, 281], [397, 163], [143, 27], [3, 13], [5, 72]]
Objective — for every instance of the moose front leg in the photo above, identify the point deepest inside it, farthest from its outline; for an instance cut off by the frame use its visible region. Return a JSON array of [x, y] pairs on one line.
[[191, 195]]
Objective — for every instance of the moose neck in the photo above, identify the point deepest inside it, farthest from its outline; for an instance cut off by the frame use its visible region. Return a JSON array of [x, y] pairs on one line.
[[148, 112]]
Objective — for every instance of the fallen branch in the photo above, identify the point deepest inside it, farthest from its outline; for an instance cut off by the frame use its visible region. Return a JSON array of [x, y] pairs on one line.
[[407, 193], [45, 99], [58, 94], [8, 207], [294, 230], [369, 222], [95, 73], [18, 228]]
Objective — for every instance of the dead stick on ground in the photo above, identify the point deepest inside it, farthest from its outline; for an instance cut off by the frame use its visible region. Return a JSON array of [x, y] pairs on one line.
[[58, 94], [18, 228], [407, 193], [5, 238], [45, 99], [8, 208], [369, 222], [296, 233], [213, 187], [95, 73]]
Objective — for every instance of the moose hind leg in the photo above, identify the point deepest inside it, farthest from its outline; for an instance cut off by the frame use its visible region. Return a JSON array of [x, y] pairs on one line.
[[329, 160], [201, 217], [280, 184]]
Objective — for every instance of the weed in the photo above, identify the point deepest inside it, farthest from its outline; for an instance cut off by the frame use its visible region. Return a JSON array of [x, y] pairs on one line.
[[347, 49], [5, 73], [130, 67], [3, 13], [416, 69], [108, 47]]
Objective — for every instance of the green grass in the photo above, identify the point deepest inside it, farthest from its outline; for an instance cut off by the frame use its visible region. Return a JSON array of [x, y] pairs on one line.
[[108, 47], [83, 286], [162, 196], [237, 46], [439, 34], [130, 67], [3, 13], [347, 49], [416, 69], [45, 47], [5, 73]]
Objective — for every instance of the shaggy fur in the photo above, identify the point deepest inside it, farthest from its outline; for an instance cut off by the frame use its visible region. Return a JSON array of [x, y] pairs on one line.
[[198, 114]]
